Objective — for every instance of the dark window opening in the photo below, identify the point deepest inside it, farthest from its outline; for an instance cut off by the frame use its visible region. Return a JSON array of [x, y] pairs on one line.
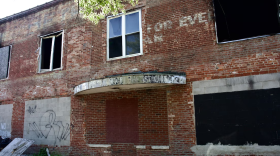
[[46, 53], [238, 118], [4, 62], [239, 19], [122, 121], [51, 51]]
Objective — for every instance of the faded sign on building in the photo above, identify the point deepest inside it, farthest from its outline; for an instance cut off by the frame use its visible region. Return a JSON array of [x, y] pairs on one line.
[[48, 121]]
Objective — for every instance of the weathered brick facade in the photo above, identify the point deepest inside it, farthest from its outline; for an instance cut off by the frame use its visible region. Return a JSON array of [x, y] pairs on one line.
[[178, 36]]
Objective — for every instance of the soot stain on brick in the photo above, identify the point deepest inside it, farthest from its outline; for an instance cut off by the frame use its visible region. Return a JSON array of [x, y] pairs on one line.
[[251, 83]]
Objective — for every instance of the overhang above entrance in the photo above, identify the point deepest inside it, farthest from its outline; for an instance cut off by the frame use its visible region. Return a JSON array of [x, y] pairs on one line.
[[130, 81]]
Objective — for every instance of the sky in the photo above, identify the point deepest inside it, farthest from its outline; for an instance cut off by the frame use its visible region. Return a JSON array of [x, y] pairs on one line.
[[10, 7]]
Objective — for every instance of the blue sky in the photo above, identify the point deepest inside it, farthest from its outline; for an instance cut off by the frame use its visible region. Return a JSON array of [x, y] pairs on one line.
[[10, 7]]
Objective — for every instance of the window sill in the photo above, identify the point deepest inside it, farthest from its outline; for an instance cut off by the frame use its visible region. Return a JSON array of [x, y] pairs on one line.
[[249, 38], [136, 146], [4, 79], [99, 145], [46, 71], [123, 57]]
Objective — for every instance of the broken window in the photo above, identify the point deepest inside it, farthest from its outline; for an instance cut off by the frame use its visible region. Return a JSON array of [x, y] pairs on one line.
[[125, 36], [51, 52], [4, 62], [239, 19]]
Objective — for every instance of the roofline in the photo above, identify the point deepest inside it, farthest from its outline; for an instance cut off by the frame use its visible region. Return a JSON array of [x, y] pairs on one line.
[[30, 11]]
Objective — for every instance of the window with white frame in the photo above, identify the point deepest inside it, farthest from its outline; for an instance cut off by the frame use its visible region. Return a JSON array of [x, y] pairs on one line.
[[124, 37], [51, 52]]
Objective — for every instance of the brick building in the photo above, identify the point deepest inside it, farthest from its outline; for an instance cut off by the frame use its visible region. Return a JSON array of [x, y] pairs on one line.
[[169, 77]]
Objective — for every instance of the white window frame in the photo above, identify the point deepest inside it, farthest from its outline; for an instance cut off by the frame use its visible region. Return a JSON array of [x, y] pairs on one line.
[[52, 51], [123, 36]]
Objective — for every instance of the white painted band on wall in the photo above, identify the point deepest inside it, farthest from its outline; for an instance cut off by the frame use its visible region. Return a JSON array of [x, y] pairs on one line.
[[140, 147], [160, 147], [99, 145]]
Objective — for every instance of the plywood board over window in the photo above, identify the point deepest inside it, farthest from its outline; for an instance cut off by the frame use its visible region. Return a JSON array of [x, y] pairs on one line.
[[238, 118], [122, 121], [4, 62]]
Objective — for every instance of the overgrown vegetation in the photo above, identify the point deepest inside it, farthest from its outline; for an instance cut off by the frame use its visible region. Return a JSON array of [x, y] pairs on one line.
[[94, 10], [43, 152]]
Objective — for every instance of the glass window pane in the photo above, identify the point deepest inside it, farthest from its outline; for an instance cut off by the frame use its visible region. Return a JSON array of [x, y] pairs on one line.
[[115, 47], [132, 23], [115, 27], [132, 44]]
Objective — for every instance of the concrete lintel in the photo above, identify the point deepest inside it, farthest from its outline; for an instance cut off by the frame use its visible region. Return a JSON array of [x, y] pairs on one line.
[[253, 82], [129, 81], [99, 145], [160, 147]]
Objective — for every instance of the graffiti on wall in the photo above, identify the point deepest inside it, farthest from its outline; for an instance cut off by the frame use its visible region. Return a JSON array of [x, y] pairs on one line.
[[6, 120], [31, 109], [47, 121], [4, 133], [49, 124]]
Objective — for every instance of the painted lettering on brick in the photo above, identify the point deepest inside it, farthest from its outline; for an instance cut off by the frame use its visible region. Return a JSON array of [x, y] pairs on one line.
[[191, 20], [158, 27], [161, 26]]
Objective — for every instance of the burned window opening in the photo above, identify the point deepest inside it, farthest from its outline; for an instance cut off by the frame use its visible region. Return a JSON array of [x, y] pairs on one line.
[[238, 19], [51, 52]]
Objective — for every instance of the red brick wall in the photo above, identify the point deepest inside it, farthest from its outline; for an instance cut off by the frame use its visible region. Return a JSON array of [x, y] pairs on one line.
[[152, 116]]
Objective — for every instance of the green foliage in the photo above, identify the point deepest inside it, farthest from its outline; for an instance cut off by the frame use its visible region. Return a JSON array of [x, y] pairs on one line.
[[43, 152], [94, 10]]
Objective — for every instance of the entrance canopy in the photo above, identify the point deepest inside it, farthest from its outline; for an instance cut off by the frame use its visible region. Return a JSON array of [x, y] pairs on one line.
[[130, 81]]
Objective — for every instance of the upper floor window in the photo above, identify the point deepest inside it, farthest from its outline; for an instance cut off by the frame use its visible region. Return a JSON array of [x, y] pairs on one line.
[[51, 52], [242, 19], [124, 36], [4, 62]]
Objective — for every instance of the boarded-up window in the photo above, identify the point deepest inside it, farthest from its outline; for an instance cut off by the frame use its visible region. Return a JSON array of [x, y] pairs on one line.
[[4, 62], [122, 121], [238, 118]]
